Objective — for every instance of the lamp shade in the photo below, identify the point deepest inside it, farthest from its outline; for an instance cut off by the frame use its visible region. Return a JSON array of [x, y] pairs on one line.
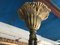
[[33, 13]]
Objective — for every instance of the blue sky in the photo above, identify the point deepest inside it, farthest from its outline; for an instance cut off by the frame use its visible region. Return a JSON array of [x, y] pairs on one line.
[[50, 28]]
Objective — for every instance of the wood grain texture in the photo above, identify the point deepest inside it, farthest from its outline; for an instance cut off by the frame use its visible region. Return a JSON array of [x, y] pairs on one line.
[[6, 41], [54, 9]]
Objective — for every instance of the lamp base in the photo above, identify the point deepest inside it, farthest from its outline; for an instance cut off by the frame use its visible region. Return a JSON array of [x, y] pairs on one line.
[[32, 38]]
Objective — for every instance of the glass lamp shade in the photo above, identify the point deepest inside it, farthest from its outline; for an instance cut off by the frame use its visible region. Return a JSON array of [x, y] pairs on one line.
[[33, 13]]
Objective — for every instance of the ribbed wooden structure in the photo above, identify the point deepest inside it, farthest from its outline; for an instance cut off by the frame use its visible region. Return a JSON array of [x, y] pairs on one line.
[[53, 8]]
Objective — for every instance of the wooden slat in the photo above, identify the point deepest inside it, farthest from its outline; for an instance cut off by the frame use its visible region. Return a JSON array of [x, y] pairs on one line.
[[11, 42]]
